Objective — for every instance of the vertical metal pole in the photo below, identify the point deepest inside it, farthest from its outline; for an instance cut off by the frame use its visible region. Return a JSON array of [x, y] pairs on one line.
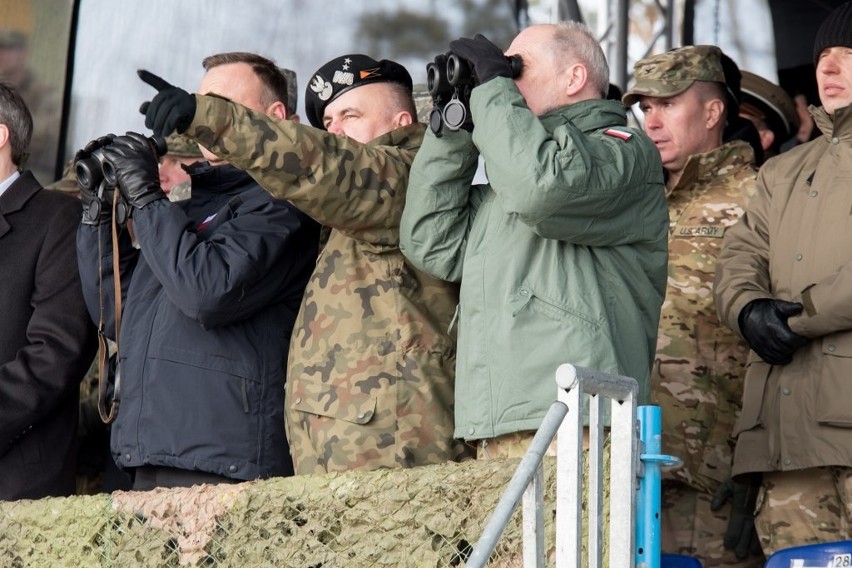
[[650, 502], [669, 23], [595, 488], [569, 470], [624, 445], [621, 33], [527, 469], [533, 521]]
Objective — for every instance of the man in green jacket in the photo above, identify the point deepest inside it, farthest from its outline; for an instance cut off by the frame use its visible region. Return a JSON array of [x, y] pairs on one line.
[[562, 256], [370, 370]]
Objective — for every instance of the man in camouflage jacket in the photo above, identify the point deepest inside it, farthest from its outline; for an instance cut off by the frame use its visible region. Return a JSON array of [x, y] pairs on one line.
[[371, 365], [698, 371]]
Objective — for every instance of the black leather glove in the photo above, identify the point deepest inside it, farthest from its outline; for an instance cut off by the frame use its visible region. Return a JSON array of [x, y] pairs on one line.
[[136, 170], [486, 58], [171, 109], [740, 536], [97, 210], [96, 199], [764, 325]]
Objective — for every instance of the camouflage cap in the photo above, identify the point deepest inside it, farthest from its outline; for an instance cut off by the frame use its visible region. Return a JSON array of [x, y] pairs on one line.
[[671, 73], [182, 147]]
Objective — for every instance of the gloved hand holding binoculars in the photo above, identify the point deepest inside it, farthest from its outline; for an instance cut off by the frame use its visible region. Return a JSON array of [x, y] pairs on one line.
[[128, 162], [451, 77]]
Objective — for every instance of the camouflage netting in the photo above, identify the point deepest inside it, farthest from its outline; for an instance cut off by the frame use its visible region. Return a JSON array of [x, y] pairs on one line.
[[426, 517]]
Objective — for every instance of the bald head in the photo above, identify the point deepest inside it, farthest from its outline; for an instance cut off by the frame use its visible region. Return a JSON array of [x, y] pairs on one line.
[[563, 64]]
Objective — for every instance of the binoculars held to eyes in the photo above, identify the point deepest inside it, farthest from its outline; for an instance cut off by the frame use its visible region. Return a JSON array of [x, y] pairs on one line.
[[97, 175], [450, 80]]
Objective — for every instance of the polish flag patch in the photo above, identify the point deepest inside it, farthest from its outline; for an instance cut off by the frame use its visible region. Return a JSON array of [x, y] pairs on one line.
[[206, 222], [620, 134]]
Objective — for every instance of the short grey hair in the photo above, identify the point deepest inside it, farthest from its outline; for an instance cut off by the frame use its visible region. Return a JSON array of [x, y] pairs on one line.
[[573, 40]]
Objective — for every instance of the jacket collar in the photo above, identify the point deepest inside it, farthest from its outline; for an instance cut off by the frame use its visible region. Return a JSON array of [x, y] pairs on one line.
[[14, 198], [839, 125], [216, 179], [407, 137], [588, 116], [715, 163]]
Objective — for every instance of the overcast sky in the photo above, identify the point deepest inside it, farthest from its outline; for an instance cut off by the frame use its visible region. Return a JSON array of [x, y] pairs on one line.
[[171, 38]]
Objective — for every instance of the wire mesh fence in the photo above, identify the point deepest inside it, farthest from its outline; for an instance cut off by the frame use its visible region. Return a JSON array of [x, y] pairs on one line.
[[426, 516]]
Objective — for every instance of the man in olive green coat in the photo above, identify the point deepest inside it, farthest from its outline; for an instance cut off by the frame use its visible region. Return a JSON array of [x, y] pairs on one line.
[[370, 378], [562, 256]]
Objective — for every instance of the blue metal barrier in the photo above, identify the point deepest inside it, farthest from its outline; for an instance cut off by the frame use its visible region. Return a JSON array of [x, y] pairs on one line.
[[648, 502]]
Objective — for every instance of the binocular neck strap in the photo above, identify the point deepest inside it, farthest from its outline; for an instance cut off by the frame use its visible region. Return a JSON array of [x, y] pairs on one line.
[[103, 348]]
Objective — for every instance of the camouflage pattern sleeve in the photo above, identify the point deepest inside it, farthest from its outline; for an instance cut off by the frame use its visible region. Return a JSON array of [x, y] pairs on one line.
[[358, 189]]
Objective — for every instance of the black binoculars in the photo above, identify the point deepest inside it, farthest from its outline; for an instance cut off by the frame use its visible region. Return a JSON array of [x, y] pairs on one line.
[[449, 80], [96, 175], [449, 71]]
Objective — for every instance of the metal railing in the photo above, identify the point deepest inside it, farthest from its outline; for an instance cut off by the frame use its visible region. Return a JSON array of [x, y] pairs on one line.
[[627, 472]]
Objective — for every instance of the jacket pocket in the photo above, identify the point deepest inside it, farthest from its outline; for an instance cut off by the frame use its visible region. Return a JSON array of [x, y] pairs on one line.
[[201, 406], [528, 299], [335, 402], [347, 426], [835, 383], [756, 375]]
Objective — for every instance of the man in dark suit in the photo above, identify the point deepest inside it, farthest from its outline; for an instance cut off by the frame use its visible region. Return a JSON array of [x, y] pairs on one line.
[[47, 340]]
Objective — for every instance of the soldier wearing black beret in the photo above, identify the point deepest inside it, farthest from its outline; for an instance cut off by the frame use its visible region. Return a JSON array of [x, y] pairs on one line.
[[371, 365]]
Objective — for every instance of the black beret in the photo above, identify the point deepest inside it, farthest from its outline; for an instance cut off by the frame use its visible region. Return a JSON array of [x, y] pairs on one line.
[[345, 73]]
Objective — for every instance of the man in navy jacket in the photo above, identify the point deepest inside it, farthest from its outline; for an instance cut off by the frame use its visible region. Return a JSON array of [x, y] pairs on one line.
[[209, 300]]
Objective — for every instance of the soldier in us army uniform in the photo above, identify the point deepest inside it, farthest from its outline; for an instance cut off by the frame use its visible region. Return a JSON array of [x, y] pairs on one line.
[[698, 371], [371, 365]]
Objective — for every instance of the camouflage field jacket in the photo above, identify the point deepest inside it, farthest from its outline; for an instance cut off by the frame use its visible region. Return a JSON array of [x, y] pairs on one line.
[[697, 378], [371, 345]]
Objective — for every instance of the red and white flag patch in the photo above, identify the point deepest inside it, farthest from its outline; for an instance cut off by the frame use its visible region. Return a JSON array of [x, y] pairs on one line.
[[620, 134]]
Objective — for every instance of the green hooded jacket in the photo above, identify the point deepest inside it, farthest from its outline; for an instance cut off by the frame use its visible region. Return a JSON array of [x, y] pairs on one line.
[[561, 257]]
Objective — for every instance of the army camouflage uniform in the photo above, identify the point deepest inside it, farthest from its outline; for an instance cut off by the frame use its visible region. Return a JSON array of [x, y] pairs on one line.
[[698, 372], [697, 377], [699, 366], [371, 364], [806, 506]]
